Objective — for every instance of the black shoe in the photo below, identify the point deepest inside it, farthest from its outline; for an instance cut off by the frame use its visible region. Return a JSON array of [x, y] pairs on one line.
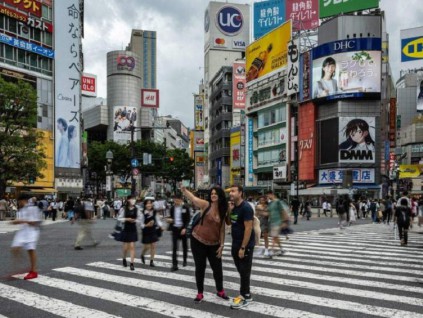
[[131, 266], [152, 264], [78, 248], [184, 264], [174, 268], [143, 259], [124, 263]]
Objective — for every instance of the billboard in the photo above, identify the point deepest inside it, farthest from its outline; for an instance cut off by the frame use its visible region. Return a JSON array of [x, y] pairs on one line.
[[124, 118], [27, 46], [226, 26], [150, 98], [420, 95], [329, 140], [67, 88], [198, 112], [357, 140], [306, 75], [198, 141], [307, 141], [329, 8], [267, 16], [29, 21], [392, 122], [239, 89], [293, 76], [304, 14], [347, 69], [412, 48], [410, 171], [269, 53], [336, 176], [250, 149], [30, 6], [89, 84], [199, 169]]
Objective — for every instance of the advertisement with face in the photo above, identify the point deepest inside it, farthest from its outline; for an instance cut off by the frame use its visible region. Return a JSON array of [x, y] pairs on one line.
[[124, 119], [347, 69], [356, 137]]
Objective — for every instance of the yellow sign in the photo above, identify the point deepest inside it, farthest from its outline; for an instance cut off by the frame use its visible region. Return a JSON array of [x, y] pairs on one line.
[[410, 171], [413, 48], [268, 53]]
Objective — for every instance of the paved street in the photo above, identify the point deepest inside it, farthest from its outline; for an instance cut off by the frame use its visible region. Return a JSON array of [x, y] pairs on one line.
[[327, 272]]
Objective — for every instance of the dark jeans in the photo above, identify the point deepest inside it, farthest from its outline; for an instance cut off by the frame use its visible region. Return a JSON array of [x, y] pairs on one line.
[[403, 231], [244, 268], [201, 253], [53, 214], [295, 217], [176, 235]]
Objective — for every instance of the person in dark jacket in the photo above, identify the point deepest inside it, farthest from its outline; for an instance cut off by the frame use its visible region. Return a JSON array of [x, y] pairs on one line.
[[180, 215], [402, 218]]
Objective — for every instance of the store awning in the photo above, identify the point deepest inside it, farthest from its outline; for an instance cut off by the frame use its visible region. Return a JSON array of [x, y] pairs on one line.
[[40, 190]]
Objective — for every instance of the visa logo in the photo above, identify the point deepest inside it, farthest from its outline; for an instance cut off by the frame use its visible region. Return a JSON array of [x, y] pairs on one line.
[[412, 49], [239, 44]]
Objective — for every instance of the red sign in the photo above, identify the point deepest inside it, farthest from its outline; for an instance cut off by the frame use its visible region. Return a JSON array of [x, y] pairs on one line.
[[89, 85], [392, 121], [150, 98], [304, 14], [239, 89], [28, 20], [307, 141], [30, 6]]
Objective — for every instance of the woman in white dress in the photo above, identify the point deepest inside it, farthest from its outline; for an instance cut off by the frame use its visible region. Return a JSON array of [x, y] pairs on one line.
[[353, 213], [73, 153]]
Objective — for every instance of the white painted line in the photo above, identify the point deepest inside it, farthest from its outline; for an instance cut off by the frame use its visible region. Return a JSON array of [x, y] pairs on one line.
[[122, 299], [1, 316], [182, 291], [326, 278], [279, 294], [54, 306]]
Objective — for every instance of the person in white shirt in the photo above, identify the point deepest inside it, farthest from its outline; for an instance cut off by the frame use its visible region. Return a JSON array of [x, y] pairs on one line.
[[29, 217], [325, 207]]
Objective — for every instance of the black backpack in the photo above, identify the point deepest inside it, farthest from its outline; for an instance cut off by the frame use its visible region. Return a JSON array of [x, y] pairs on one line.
[[196, 219]]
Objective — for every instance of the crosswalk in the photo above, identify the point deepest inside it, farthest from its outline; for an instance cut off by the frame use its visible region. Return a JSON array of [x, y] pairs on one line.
[[7, 227], [361, 271]]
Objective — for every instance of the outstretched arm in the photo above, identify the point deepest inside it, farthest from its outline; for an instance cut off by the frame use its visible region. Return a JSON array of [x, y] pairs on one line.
[[202, 204]]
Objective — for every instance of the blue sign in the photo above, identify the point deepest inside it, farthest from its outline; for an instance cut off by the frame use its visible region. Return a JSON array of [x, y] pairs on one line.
[[229, 20], [134, 163], [412, 49], [31, 47], [350, 45], [267, 16], [250, 149]]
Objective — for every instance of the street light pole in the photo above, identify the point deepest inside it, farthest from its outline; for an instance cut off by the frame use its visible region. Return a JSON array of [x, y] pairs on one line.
[[133, 185], [109, 174]]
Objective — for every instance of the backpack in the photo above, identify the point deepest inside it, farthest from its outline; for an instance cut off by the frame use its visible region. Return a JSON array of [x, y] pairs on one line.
[[195, 220], [373, 207]]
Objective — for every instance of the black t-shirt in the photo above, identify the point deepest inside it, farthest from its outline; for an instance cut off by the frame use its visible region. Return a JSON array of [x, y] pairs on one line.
[[295, 205], [403, 214], [241, 213]]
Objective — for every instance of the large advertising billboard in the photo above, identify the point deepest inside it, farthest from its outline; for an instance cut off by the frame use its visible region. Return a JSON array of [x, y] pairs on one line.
[[347, 69], [226, 26], [267, 16], [412, 46], [31, 6], [293, 76], [304, 14], [307, 141], [336, 176], [357, 140], [239, 89], [89, 85], [269, 53], [199, 169], [198, 112], [420, 95], [329, 8], [67, 88], [392, 122], [124, 119]]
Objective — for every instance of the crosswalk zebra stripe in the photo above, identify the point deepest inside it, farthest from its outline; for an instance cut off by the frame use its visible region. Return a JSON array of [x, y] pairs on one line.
[[1, 316], [182, 291], [327, 278], [54, 306], [295, 296], [286, 281], [387, 238], [121, 298]]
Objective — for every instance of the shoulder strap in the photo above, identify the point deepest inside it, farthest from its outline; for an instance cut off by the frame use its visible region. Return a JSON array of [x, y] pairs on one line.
[[204, 213]]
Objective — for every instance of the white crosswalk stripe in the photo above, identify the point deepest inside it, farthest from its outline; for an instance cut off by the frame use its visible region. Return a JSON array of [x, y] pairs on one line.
[[358, 272]]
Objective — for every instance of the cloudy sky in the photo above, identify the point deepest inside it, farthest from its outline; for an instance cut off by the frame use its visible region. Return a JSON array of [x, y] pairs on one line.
[[180, 32]]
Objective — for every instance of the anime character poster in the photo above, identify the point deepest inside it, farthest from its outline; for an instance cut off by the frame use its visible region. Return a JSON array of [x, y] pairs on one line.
[[357, 140]]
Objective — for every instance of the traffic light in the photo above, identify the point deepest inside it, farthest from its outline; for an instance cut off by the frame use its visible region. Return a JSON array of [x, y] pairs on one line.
[[31, 179], [171, 159]]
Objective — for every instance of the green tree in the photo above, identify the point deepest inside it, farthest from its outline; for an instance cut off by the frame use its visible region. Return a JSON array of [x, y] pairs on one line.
[[21, 152]]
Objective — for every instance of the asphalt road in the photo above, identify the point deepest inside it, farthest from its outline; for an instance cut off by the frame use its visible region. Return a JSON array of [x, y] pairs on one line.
[[327, 272]]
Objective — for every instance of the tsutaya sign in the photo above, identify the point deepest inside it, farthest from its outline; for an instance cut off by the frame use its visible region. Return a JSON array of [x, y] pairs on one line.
[[329, 8]]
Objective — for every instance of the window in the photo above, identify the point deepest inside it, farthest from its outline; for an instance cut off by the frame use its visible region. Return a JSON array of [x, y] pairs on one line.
[[21, 56], [9, 52], [1, 22], [48, 39], [46, 12], [12, 26]]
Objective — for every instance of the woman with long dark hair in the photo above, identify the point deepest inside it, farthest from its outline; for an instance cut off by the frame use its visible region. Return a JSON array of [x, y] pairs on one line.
[[129, 216], [150, 225], [208, 239], [357, 133], [327, 85]]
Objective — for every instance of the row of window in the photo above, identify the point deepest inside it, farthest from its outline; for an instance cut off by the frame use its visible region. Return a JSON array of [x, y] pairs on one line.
[[269, 157], [271, 116], [24, 59], [269, 137], [13, 26]]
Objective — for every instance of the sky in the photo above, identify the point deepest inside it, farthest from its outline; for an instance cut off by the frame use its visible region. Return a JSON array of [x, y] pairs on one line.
[[180, 42]]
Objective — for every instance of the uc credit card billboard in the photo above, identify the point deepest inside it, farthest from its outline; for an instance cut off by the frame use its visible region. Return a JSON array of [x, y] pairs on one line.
[[347, 69], [329, 8], [269, 53]]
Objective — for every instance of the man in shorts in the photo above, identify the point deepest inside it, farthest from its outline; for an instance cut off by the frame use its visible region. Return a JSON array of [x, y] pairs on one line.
[[27, 236]]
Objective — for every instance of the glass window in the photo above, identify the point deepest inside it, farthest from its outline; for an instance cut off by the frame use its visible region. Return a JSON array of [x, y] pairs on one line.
[[9, 52], [48, 39], [21, 56], [1, 22], [1, 50], [33, 60], [12, 26], [37, 35], [46, 12]]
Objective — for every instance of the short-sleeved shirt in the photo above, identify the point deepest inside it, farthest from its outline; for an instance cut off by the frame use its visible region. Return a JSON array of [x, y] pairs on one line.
[[239, 214]]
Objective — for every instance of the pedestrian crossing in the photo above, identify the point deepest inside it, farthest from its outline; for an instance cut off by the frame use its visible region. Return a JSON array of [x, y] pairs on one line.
[[361, 271], [7, 227]]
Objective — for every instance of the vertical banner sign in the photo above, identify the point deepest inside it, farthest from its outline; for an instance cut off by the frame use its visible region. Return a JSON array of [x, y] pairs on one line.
[[304, 14], [267, 16], [239, 85], [392, 121], [305, 71], [68, 84], [198, 112], [293, 66], [307, 141], [250, 149]]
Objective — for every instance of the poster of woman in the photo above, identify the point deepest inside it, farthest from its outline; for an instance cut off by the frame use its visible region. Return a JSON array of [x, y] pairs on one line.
[[356, 138]]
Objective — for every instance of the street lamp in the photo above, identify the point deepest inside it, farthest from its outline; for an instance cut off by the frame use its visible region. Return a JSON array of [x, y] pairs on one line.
[[109, 174]]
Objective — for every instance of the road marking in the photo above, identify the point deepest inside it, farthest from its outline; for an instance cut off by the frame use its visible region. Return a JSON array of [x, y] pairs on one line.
[[255, 306], [55, 306], [148, 304]]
